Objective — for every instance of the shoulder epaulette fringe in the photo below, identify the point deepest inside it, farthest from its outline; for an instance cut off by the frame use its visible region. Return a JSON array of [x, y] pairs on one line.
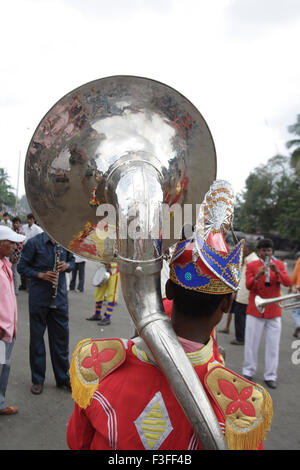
[[247, 408], [93, 360]]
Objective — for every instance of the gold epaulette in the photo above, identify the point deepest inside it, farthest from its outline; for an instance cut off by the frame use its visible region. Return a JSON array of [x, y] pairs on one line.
[[92, 361], [246, 406]]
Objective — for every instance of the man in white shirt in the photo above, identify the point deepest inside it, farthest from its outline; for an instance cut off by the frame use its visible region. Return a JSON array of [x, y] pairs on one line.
[[80, 269], [240, 303], [30, 230], [6, 220]]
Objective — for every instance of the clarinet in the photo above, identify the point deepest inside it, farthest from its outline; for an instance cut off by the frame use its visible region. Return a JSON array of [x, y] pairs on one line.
[[55, 284], [267, 273]]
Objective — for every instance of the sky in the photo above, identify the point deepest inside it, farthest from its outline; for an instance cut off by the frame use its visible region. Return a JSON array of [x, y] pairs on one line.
[[237, 61]]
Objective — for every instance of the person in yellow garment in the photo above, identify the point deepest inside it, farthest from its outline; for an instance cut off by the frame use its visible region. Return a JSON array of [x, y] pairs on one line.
[[108, 292]]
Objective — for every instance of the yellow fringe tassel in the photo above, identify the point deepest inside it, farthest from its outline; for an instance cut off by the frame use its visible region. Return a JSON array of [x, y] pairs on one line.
[[251, 439], [82, 392]]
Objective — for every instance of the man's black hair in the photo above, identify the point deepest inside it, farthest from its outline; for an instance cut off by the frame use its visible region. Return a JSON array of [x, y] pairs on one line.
[[265, 243], [195, 304], [16, 219], [250, 245], [30, 216]]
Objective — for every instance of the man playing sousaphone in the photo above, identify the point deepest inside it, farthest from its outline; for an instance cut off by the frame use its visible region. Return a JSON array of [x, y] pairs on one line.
[[124, 401]]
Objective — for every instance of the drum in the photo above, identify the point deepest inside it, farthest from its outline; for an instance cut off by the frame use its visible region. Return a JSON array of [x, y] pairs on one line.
[[101, 276]]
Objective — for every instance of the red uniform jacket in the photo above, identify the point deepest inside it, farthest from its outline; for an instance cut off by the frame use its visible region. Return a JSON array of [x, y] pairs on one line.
[[259, 288], [124, 402]]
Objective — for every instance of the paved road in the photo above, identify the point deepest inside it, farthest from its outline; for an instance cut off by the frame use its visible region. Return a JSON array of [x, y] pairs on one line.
[[42, 420]]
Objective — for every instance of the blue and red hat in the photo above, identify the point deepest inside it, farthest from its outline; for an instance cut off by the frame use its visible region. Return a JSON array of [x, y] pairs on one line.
[[204, 263]]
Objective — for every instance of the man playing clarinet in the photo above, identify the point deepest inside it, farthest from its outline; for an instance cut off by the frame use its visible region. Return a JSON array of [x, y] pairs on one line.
[[45, 264]]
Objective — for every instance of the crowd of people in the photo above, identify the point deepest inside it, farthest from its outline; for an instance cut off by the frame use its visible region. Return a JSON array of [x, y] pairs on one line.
[[29, 254], [42, 266]]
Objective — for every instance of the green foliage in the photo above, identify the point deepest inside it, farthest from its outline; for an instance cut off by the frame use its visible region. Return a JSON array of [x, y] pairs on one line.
[[295, 143], [258, 206], [7, 197], [271, 200], [287, 222]]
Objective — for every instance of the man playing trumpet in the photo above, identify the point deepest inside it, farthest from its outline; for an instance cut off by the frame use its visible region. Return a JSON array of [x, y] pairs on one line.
[[264, 279]]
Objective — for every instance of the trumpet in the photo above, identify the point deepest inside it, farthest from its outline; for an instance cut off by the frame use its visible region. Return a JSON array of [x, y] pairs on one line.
[[261, 303]]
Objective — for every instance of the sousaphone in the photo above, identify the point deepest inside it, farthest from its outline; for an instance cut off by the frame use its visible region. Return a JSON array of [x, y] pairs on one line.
[[106, 171]]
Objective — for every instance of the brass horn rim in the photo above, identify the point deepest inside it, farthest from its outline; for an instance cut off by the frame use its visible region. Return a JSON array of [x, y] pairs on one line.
[[261, 303], [115, 88]]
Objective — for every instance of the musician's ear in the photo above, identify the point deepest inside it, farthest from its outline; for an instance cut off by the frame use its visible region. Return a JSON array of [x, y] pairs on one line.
[[169, 290], [227, 302]]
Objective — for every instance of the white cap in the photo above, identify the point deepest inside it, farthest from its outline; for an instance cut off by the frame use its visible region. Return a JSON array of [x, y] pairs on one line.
[[7, 233]]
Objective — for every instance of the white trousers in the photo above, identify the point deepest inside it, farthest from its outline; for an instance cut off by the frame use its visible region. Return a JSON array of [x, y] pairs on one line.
[[272, 330]]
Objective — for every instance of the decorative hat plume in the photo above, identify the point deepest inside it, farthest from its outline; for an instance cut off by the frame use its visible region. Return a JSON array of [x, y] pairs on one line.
[[204, 262], [215, 216]]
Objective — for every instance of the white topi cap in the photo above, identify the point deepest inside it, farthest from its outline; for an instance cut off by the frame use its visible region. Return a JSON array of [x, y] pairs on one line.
[[7, 233]]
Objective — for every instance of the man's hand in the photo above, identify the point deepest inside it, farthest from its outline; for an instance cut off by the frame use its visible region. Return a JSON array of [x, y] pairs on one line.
[[62, 266], [49, 276], [294, 289], [260, 273], [274, 268]]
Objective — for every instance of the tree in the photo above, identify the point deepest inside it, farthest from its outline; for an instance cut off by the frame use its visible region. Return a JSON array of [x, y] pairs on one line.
[[7, 197], [257, 207], [287, 220], [295, 155], [23, 205], [271, 201], [3, 177]]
